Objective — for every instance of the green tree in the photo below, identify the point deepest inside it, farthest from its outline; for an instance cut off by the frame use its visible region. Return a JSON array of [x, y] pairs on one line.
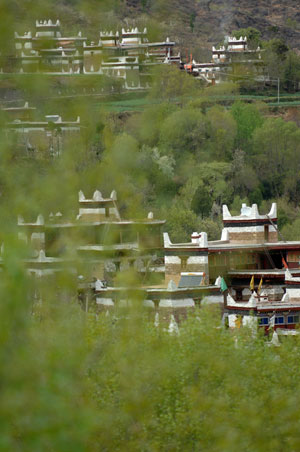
[[236, 205], [214, 177], [181, 222], [276, 148], [183, 131], [211, 227], [243, 180], [248, 118], [202, 203], [292, 71], [274, 57], [291, 231], [170, 84], [252, 34], [147, 125], [222, 133]]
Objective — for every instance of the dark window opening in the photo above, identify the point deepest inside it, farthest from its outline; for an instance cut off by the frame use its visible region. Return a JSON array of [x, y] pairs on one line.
[[293, 319], [266, 231], [279, 320], [263, 321]]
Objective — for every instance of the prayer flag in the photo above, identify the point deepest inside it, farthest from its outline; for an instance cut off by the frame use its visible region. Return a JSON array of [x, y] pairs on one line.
[[272, 321], [252, 283], [223, 285], [238, 321]]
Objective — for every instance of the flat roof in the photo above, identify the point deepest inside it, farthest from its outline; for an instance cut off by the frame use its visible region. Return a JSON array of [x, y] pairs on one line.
[[229, 246], [257, 246], [262, 272], [266, 307], [153, 290], [118, 246], [79, 223]]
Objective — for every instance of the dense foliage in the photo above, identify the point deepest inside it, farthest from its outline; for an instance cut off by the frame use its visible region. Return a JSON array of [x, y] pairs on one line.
[[116, 382], [192, 157]]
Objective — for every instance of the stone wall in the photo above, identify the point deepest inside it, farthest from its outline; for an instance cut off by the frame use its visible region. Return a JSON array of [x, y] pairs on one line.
[[172, 269], [244, 235]]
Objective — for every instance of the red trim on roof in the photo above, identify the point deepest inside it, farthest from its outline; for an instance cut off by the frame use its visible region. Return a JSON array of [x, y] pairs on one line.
[[254, 220]]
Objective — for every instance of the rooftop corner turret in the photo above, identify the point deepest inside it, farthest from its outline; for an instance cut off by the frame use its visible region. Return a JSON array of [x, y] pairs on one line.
[[98, 208], [250, 226], [249, 213], [47, 28]]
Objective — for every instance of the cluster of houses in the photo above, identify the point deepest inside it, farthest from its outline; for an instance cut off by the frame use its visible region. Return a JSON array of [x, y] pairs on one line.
[[227, 60], [127, 55], [249, 272], [36, 136]]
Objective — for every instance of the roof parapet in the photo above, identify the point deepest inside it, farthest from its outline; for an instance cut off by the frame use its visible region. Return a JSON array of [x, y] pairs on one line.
[[113, 195], [97, 196], [285, 298], [273, 211], [41, 256], [226, 213], [47, 23], [225, 235], [40, 220], [249, 213], [252, 300], [171, 286], [167, 241]]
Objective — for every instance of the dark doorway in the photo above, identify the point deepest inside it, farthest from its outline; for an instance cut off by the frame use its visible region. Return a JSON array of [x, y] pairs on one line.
[[266, 231]]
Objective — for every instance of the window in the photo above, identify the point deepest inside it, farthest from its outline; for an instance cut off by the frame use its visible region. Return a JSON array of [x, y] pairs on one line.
[[263, 321], [279, 320], [293, 319], [239, 295]]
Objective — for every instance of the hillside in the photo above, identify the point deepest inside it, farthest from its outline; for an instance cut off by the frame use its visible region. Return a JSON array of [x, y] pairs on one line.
[[197, 25], [194, 23]]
